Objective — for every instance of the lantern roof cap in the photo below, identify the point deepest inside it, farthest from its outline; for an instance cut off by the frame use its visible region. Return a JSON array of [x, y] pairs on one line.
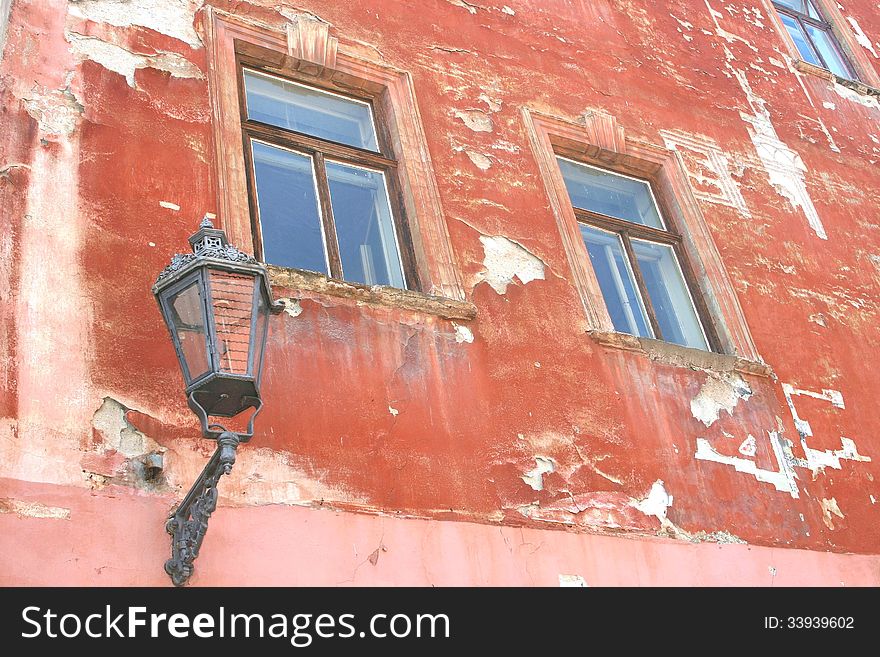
[[206, 242]]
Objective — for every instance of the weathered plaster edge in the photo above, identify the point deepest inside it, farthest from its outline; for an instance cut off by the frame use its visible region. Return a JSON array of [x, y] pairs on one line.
[[818, 71], [673, 354], [379, 295]]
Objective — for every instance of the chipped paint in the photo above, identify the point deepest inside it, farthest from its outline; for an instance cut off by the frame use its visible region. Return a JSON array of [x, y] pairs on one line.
[[535, 477], [720, 392], [506, 260], [784, 479], [482, 162], [714, 173], [168, 205], [749, 447], [33, 509], [57, 111], [169, 17], [656, 503], [829, 509], [476, 120], [861, 37], [125, 63], [572, 581], [292, 307], [463, 334]]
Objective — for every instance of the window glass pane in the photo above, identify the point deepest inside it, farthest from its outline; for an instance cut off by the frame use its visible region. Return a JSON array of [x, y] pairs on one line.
[[616, 282], [364, 226], [824, 44], [797, 5], [811, 10], [189, 325], [289, 217], [800, 40], [669, 295], [609, 193], [310, 111]]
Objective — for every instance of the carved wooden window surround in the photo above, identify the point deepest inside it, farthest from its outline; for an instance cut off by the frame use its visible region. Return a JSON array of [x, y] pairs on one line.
[[598, 140], [304, 51]]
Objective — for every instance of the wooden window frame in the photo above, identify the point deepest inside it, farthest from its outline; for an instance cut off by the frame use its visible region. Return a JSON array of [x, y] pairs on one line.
[[302, 49], [318, 149], [825, 26], [627, 231], [597, 139]]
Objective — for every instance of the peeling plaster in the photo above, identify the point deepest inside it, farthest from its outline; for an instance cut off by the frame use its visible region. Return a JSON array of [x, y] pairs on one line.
[[749, 447], [716, 162], [535, 476], [480, 161], [863, 40], [173, 18], [572, 581], [291, 306], [33, 509], [56, 111], [168, 205], [125, 63], [476, 120], [463, 334], [829, 508], [851, 94], [720, 392], [505, 260], [656, 502]]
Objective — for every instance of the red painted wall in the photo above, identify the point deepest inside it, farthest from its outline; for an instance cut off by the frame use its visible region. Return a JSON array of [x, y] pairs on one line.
[[381, 410]]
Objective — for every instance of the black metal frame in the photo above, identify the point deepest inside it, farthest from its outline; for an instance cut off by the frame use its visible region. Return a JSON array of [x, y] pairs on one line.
[[820, 23], [188, 523]]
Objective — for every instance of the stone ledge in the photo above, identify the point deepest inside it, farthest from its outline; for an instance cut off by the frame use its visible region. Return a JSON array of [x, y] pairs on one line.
[[673, 354], [855, 85], [378, 295]]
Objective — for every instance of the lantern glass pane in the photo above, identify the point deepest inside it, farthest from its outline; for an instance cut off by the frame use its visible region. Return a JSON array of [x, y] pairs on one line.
[[261, 325], [188, 325], [232, 297]]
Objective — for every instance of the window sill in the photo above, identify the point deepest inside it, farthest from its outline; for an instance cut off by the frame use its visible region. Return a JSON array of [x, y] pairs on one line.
[[379, 295], [673, 354], [818, 71]]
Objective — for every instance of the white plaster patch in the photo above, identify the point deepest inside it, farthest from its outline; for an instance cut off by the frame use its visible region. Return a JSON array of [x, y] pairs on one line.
[[119, 60], [291, 306], [479, 160], [168, 205], [829, 509], [57, 111], [720, 392], [535, 477], [749, 446], [784, 479], [863, 40], [505, 260], [33, 509], [393, 411], [572, 581], [476, 120], [828, 105], [656, 502], [172, 18], [712, 158], [463, 334]]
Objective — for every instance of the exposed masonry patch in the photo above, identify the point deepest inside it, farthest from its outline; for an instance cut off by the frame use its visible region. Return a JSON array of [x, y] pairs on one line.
[[535, 477], [119, 60], [172, 18], [291, 306], [829, 508], [572, 581], [505, 260], [463, 334], [476, 120], [720, 392], [785, 478], [33, 509], [56, 111], [863, 40], [715, 163]]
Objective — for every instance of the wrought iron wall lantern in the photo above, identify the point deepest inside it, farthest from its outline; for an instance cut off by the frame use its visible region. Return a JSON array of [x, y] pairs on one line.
[[216, 302]]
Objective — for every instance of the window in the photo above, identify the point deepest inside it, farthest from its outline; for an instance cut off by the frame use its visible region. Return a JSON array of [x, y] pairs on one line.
[[321, 180], [813, 36], [637, 259]]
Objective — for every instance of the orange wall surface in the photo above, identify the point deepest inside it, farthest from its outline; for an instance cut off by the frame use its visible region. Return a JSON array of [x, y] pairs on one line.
[[455, 432]]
